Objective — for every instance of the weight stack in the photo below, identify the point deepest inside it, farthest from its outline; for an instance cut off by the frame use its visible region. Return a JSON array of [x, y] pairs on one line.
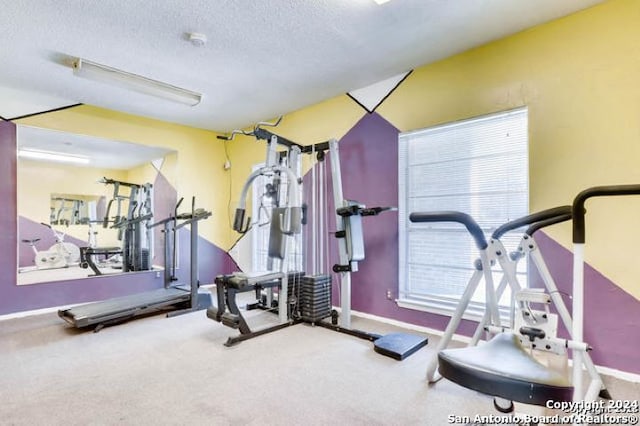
[[145, 260], [294, 287], [315, 297]]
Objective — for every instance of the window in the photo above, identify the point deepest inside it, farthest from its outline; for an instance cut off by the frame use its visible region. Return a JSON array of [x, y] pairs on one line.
[[262, 204], [477, 166]]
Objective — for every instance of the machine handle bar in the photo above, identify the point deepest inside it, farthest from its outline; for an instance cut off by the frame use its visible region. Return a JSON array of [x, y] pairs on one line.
[[259, 132], [578, 210], [532, 219], [453, 216], [544, 223]]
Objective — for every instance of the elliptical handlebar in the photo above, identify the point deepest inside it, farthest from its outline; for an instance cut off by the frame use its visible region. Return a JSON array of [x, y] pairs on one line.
[[578, 210], [544, 223], [552, 215], [453, 216]]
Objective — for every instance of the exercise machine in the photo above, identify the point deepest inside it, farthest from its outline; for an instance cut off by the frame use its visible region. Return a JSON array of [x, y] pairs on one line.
[[579, 238], [304, 297], [60, 209], [179, 298], [351, 249], [110, 257], [502, 367], [286, 221], [132, 228], [60, 255], [135, 251], [505, 367]]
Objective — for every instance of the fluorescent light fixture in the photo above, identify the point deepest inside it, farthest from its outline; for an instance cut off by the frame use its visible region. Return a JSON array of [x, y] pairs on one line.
[[105, 74], [34, 154], [381, 1]]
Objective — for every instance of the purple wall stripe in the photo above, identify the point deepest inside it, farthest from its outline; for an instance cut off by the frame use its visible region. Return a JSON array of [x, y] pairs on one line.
[[8, 212], [164, 200]]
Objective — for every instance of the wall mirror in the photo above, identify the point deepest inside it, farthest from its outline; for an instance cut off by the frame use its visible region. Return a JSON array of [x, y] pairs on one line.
[[81, 194]]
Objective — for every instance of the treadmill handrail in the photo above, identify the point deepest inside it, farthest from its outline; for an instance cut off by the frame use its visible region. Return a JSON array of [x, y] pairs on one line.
[[186, 217]]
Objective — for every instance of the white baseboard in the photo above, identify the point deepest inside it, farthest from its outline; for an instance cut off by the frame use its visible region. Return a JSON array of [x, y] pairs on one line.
[[607, 371], [34, 312]]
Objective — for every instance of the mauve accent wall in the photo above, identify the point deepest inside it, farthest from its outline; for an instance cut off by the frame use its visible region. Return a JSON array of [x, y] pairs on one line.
[[8, 213], [369, 160], [212, 260], [165, 198]]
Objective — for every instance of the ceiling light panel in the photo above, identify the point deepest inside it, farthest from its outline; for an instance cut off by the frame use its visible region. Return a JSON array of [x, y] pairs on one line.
[[59, 157], [126, 80]]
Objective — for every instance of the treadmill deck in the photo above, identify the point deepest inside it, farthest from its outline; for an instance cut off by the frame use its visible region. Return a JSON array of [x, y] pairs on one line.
[[124, 307]]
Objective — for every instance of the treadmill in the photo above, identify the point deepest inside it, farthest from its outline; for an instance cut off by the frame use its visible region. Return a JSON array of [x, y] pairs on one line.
[[181, 298]]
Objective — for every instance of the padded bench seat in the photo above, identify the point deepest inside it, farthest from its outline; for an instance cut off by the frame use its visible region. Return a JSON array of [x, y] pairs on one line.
[[242, 280], [503, 368]]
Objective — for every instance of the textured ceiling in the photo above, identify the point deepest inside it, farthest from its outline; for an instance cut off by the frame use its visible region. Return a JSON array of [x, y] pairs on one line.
[[263, 58]]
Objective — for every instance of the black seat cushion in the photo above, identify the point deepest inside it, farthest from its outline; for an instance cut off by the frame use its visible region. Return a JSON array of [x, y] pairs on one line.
[[242, 281], [502, 367]]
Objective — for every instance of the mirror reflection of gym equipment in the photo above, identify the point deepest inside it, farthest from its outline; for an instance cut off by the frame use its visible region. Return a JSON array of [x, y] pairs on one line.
[[133, 212], [70, 198]]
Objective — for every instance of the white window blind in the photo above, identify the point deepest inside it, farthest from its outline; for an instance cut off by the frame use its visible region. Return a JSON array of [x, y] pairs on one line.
[[477, 166]]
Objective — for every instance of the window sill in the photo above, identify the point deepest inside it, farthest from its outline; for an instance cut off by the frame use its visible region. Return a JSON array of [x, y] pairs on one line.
[[447, 308]]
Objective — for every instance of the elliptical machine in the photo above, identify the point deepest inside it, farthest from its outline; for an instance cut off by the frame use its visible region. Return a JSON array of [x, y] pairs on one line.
[[503, 367]]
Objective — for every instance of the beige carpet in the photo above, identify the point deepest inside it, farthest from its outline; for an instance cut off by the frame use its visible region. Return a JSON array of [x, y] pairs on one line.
[[176, 371]]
